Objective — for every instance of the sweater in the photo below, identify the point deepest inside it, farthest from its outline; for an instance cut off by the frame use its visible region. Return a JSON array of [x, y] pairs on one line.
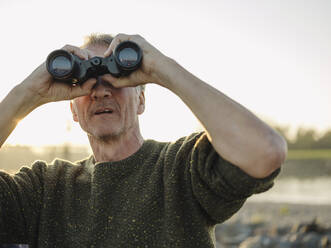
[[167, 194]]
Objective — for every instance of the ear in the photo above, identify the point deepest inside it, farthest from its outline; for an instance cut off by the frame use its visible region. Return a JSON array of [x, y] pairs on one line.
[[73, 111], [141, 106]]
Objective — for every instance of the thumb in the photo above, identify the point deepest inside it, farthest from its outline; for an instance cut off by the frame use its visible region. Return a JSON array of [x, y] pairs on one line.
[[122, 82], [119, 82], [83, 89]]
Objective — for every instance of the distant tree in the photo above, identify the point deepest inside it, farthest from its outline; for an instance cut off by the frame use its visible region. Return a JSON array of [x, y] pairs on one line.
[[324, 142], [305, 139], [284, 131]]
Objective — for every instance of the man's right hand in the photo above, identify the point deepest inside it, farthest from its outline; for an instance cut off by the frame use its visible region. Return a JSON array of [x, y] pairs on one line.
[[41, 88], [37, 89]]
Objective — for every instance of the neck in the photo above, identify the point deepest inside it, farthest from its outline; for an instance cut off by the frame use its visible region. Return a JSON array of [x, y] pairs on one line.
[[116, 149]]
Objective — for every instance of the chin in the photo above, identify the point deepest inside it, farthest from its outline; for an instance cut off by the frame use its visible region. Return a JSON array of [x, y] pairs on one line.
[[106, 136]]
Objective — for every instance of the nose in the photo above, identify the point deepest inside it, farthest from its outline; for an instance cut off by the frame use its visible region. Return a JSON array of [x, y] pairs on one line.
[[101, 89]]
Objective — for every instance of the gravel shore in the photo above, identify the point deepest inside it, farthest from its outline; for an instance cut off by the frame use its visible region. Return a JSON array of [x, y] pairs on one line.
[[276, 225], [282, 214]]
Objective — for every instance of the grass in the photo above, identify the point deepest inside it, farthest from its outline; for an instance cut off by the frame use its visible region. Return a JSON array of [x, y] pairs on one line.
[[309, 154]]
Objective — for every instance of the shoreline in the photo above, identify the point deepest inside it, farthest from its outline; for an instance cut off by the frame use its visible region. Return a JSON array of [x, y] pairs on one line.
[[281, 224], [281, 213]]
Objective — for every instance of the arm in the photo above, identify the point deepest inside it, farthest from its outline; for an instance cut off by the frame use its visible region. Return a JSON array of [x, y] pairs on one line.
[[37, 89], [236, 134]]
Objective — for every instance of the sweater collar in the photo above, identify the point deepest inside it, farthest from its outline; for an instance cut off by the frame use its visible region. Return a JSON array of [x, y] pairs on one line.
[[133, 160]]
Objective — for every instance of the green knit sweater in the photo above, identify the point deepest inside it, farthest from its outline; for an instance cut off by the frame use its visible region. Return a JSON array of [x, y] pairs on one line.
[[164, 195]]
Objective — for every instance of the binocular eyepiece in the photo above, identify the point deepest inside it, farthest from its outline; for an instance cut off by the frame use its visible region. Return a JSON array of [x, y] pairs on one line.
[[67, 67]]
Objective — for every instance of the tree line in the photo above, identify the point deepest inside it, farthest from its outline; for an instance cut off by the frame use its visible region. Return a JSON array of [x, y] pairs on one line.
[[306, 138]]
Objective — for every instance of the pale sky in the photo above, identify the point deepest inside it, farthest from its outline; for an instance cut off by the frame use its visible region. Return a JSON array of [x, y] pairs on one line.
[[273, 57]]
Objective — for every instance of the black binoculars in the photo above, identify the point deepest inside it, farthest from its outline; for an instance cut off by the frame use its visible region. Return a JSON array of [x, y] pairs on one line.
[[67, 67]]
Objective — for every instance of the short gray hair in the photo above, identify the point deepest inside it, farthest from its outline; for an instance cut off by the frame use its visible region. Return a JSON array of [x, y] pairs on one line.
[[100, 39], [95, 39]]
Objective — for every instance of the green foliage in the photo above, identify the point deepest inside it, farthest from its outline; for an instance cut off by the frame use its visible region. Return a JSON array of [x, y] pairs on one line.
[[325, 141], [306, 139], [310, 154]]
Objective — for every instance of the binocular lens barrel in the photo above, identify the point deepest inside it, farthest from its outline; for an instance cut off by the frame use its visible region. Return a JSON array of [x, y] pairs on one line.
[[128, 55], [60, 64]]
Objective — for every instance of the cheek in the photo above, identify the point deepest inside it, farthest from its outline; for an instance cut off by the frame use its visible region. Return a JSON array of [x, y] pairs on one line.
[[73, 108], [128, 112], [80, 105]]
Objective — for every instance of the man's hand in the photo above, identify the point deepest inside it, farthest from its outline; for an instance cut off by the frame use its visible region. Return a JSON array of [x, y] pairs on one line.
[[149, 70], [37, 89], [40, 87]]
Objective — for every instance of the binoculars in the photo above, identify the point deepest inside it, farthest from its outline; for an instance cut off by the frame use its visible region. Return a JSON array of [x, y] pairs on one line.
[[67, 67]]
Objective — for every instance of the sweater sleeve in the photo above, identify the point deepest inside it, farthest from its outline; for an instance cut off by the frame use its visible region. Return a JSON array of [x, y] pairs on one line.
[[220, 187], [20, 204]]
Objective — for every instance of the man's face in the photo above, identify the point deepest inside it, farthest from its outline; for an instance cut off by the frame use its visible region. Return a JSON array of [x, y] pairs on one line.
[[108, 112]]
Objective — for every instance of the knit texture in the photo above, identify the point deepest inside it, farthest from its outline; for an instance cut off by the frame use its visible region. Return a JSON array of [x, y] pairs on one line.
[[164, 195]]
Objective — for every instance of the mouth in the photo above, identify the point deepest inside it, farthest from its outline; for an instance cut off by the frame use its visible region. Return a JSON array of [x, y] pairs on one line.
[[104, 111]]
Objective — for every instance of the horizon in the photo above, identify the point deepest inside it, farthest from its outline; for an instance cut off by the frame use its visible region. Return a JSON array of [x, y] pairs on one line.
[[271, 57]]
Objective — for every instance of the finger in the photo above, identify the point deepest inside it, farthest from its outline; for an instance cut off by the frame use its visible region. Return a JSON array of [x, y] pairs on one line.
[[84, 89], [117, 39], [120, 83], [125, 82], [108, 78], [81, 53], [115, 82], [88, 84], [110, 49], [90, 54]]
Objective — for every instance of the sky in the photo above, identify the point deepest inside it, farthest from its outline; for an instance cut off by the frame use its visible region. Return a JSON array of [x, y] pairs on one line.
[[273, 57]]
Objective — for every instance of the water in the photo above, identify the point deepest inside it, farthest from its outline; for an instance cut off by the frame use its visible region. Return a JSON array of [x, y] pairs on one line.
[[315, 191]]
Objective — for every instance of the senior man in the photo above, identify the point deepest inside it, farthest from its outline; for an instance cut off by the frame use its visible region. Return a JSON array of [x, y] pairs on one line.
[[133, 192]]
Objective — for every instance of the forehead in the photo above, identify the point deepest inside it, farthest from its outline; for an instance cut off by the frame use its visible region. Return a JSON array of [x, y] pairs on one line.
[[97, 50]]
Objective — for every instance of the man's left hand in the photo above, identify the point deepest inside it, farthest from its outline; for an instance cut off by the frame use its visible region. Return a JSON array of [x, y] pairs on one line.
[[147, 72]]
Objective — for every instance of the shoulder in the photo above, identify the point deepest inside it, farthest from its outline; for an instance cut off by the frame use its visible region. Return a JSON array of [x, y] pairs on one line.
[[186, 145], [56, 167], [61, 165], [152, 147]]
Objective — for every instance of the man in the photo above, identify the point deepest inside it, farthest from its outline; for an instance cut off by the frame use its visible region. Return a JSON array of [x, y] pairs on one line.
[[134, 192]]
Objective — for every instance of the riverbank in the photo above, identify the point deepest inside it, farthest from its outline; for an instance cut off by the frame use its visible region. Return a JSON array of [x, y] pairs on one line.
[[269, 224]]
